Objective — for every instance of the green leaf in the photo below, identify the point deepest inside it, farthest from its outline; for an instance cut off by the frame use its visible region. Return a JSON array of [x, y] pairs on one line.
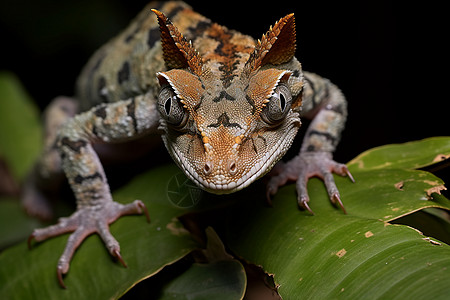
[[146, 248], [331, 254], [356, 256], [223, 280], [14, 223], [412, 155], [20, 126], [387, 194]]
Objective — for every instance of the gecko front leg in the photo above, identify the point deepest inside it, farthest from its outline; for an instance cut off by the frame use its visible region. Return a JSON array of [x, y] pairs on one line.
[[323, 102], [114, 122], [47, 173]]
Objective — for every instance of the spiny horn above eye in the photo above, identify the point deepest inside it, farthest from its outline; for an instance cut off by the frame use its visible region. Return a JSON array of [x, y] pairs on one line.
[[277, 46], [178, 53]]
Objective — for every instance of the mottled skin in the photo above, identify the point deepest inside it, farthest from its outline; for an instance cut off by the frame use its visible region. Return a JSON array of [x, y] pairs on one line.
[[228, 108]]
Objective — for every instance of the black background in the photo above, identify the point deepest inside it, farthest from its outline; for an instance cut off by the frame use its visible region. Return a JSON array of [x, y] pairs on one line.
[[389, 61]]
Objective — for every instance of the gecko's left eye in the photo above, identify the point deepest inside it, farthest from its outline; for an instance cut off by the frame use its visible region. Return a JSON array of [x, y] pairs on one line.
[[278, 106], [170, 107]]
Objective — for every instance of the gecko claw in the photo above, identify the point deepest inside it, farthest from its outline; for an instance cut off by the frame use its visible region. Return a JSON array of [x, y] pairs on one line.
[[117, 255], [349, 175], [142, 206], [303, 203], [60, 273], [336, 198]]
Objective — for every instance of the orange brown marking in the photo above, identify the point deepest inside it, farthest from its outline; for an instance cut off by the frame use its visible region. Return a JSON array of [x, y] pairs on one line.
[[178, 53], [277, 46]]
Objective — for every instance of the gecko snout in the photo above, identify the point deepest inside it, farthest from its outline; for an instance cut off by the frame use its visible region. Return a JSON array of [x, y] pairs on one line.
[[229, 169]]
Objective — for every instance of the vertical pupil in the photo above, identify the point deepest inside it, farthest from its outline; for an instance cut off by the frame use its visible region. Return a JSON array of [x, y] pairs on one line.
[[282, 102], [167, 105]]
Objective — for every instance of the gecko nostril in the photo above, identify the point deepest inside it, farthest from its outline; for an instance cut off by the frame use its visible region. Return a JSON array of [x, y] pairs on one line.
[[207, 168], [232, 167]]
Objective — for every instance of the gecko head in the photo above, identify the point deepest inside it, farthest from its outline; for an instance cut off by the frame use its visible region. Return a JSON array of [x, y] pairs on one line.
[[227, 118]]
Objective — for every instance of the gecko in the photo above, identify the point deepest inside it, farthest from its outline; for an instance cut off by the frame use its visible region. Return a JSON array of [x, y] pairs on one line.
[[227, 107]]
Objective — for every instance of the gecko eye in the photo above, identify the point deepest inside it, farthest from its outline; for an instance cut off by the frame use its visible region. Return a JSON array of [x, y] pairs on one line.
[[278, 106], [170, 107]]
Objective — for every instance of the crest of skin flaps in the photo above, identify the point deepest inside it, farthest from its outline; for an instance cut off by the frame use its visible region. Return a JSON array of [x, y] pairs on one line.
[[178, 53], [276, 47], [229, 113]]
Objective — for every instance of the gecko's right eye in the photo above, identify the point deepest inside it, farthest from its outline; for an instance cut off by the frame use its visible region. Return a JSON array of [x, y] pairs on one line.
[[170, 107], [278, 106]]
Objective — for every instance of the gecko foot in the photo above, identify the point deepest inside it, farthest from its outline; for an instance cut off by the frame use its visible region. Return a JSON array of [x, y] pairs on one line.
[[307, 165], [84, 222]]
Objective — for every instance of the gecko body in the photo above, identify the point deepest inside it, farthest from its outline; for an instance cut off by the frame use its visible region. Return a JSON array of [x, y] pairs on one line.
[[227, 107]]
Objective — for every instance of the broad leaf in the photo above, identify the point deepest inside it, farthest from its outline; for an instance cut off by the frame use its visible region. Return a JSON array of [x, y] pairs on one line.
[[412, 155], [20, 126], [332, 255], [387, 194], [146, 248], [15, 225], [223, 280], [354, 256]]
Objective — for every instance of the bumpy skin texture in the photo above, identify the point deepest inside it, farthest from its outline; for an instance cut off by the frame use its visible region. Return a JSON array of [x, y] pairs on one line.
[[228, 108]]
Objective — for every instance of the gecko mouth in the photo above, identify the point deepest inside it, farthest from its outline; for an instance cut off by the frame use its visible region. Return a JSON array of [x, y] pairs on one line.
[[219, 184]]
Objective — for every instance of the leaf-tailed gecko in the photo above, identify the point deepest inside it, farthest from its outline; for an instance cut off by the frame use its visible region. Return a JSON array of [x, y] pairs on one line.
[[228, 108]]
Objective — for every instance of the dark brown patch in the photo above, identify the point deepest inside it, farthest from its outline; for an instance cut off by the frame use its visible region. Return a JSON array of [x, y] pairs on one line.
[[124, 73], [198, 30], [153, 37], [224, 120], [73, 145], [174, 11], [100, 112], [79, 179], [311, 148], [96, 66], [131, 113], [224, 95], [101, 86]]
